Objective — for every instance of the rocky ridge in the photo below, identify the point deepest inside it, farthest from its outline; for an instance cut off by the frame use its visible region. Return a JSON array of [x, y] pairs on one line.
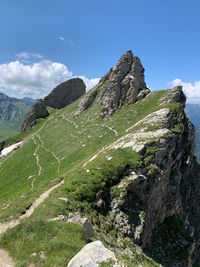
[[123, 83], [157, 201], [61, 96], [138, 190]]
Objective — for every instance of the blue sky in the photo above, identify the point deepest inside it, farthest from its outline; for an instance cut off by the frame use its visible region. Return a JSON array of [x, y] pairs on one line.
[[43, 42]]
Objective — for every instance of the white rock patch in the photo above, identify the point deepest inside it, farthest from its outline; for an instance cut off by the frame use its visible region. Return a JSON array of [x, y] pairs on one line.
[[8, 149], [92, 255]]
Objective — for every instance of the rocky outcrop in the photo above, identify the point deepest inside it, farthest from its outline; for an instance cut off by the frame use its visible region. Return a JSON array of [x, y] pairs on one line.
[[61, 96], [123, 83], [93, 254], [160, 194], [2, 145], [65, 93], [175, 95], [39, 110]]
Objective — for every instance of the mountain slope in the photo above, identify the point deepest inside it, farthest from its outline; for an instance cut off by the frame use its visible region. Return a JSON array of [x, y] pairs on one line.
[[133, 175], [12, 112]]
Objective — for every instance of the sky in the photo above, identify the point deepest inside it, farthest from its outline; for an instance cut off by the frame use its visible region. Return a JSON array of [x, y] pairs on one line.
[[43, 43]]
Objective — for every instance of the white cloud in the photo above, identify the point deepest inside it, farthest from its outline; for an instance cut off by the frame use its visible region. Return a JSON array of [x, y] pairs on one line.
[[35, 80], [191, 90], [90, 83], [62, 38], [26, 55]]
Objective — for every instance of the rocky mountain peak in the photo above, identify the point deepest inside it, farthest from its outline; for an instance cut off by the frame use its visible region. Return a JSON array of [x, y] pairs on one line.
[[123, 83], [61, 96]]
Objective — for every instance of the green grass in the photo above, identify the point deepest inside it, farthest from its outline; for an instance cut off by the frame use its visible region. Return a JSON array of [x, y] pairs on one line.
[[73, 141], [72, 145], [84, 186], [58, 240]]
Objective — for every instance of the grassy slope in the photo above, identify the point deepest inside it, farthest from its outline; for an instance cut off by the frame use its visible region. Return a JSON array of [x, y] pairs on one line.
[[73, 141]]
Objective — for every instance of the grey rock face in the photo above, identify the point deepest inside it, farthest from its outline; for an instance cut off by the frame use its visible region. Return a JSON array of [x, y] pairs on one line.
[[39, 110], [164, 189], [65, 93], [85, 103], [61, 96], [92, 255], [123, 83], [2, 145], [175, 95]]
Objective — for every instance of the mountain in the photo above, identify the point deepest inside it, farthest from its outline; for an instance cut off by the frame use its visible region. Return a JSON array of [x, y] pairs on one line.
[[29, 101], [12, 112], [112, 176], [193, 111], [64, 94]]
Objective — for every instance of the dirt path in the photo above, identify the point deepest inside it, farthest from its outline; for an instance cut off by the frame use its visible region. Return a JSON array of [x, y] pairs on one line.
[[5, 259], [51, 152], [37, 157], [29, 212], [67, 119]]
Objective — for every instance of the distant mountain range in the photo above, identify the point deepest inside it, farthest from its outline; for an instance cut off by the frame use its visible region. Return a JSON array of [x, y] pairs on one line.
[[193, 113], [12, 112]]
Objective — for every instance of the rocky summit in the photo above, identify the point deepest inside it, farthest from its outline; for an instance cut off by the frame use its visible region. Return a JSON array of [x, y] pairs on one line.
[[109, 180], [122, 84], [61, 96]]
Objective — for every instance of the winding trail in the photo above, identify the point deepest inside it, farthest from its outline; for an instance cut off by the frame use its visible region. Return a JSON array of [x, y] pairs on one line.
[[28, 212], [111, 129], [5, 259], [67, 119], [51, 152], [37, 157]]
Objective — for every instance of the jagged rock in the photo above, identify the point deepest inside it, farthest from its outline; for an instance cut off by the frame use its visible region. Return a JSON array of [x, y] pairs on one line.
[[39, 110], [145, 199], [86, 102], [61, 96], [123, 83], [92, 255], [175, 95], [2, 145]]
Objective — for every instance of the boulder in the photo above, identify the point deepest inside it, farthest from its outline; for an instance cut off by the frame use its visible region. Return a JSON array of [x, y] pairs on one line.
[[92, 255], [65, 93], [87, 226]]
